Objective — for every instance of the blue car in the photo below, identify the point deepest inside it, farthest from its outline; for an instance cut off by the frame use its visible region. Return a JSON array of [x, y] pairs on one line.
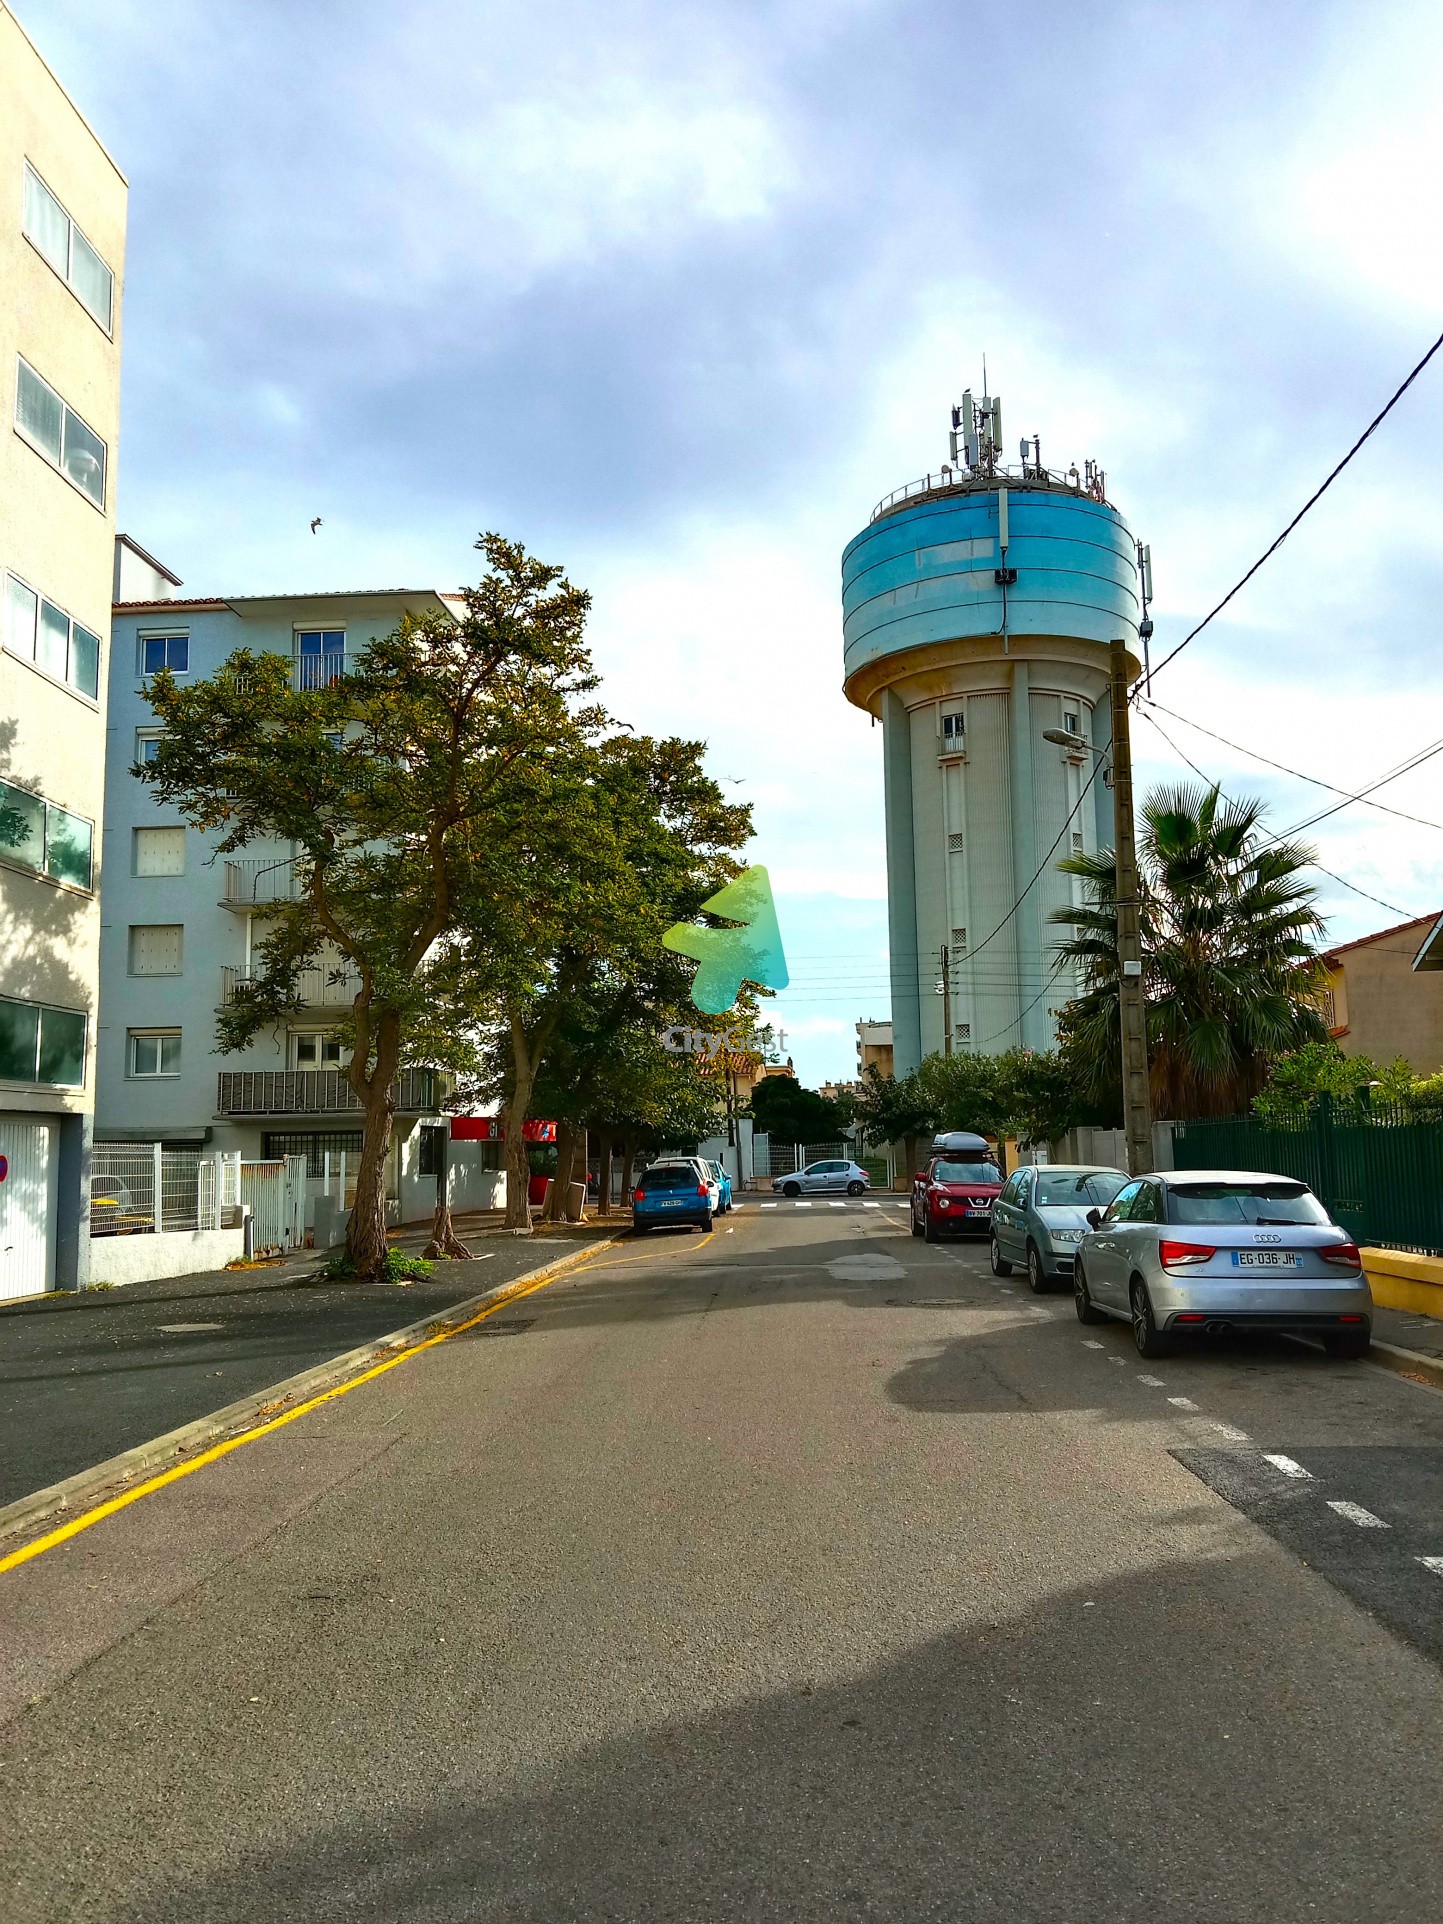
[[718, 1174], [672, 1192]]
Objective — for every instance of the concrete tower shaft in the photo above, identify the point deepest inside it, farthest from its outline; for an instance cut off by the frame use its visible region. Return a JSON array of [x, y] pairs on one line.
[[977, 614]]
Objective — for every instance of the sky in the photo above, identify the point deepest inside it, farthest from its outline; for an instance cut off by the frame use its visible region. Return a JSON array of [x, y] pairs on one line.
[[675, 292]]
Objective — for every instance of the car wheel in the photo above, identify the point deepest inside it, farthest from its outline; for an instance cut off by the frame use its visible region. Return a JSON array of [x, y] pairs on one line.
[[1349, 1346], [1037, 1279], [1087, 1310], [855, 1188], [706, 1222], [1148, 1337], [1000, 1264], [929, 1231], [791, 1189], [916, 1226]]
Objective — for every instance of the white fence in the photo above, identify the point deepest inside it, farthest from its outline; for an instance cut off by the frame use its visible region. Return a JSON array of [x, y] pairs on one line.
[[785, 1158], [143, 1188], [275, 1194]]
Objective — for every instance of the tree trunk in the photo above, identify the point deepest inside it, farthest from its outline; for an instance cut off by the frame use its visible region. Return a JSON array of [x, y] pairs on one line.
[[603, 1187], [518, 1169], [444, 1240], [579, 1154], [909, 1148], [366, 1230], [565, 1156], [626, 1157]]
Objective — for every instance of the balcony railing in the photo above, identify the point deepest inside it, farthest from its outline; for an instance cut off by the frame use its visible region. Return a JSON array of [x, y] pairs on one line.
[[309, 672], [319, 1092], [320, 988], [256, 880]]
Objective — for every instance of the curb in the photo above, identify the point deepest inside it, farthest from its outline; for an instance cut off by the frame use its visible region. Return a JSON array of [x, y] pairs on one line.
[[269, 1402], [1407, 1362]]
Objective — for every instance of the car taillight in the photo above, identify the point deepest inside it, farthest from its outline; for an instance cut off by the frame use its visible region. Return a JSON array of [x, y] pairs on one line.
[[703, 1190], [638, 1195], [1182, 1255], [1345, 1255]]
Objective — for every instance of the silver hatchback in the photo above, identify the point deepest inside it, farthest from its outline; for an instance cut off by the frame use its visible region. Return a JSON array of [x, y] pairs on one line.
[[1210, 1251], [1041, 1218]]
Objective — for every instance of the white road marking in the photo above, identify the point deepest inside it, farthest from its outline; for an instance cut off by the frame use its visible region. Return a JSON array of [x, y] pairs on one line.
[[1288, 1465], [836, 1205], [1182, 1402], [1153, 1382], [1232, 1435], [1355, 1513], [901, 1205], [187, 1329], [1121, 1361], [1435, 1564], [1007, 1292], [768, 1205], [1087, 1343], [871, 1205], [801, 1205]]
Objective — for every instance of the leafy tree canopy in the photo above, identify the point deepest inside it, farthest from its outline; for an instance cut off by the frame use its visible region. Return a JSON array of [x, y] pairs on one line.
[[784, 1110]]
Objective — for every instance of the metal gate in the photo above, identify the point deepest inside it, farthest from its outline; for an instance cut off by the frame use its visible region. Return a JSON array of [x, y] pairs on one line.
[[276, 1195], [27, 1209]]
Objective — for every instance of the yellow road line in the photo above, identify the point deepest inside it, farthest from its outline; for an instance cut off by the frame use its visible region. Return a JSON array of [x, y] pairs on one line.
[[102, 1510]]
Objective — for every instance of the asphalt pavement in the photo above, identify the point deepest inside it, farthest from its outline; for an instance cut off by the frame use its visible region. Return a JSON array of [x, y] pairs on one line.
[[802, 1571], [85, 1377]]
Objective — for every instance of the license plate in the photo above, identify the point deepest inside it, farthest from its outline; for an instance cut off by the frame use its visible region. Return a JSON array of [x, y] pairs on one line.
[[1266, 1259], [978, 1212]]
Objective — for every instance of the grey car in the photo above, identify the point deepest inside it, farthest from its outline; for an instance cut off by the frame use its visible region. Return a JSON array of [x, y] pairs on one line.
[[1209, 1251], [1041, 1216], [842, 1178]]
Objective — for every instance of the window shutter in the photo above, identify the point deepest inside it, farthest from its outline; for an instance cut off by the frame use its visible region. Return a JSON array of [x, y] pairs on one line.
[[160, 851], [157, 949]]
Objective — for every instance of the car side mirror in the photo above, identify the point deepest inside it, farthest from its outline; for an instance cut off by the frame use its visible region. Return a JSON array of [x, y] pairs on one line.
[[1094, 1218]]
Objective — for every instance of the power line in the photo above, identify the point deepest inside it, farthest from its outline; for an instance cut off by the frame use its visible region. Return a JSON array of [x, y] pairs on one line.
[[1392, 907], [1297, 773], [1376, 422]]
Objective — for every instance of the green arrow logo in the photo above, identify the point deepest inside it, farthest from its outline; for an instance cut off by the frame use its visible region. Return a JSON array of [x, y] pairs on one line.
[[729, 957]]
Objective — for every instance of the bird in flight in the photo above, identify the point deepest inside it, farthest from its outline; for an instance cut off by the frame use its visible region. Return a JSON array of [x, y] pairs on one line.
[[315, 524]]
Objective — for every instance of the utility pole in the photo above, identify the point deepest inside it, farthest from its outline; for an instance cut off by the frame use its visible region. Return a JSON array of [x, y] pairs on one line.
[[1131, 997], [946, 1001]]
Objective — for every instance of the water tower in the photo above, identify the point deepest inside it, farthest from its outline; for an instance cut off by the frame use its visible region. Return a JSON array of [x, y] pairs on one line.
[[978, 604]]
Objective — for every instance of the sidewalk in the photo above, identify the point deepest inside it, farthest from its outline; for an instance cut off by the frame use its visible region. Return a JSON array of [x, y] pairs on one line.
[[84, 1377]]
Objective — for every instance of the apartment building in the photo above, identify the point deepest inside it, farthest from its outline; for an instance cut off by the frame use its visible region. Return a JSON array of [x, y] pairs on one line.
[[182, 924], [62, 249]]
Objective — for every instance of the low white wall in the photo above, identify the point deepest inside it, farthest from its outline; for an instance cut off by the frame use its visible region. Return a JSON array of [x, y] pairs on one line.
[[178, 1252]]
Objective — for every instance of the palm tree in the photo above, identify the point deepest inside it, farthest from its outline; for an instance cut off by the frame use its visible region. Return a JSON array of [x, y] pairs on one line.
[[1230, 940]]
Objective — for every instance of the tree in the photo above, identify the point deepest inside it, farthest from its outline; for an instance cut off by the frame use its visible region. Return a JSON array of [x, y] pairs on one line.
[[630, 836], [402, 788], [1231, 960], [1298, 1079], [897, 1109], [783, 1109]]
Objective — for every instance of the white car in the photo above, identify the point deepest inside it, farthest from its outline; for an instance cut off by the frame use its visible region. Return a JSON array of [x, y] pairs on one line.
[[846, 1178]]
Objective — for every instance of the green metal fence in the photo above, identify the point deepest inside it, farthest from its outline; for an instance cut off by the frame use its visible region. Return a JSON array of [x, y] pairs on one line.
[[1378, 1170]]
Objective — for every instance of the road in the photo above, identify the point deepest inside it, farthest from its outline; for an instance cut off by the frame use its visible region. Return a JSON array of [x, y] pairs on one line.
[[802, 1571]]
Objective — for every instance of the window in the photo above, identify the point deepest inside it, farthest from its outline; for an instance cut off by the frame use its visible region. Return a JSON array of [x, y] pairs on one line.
[[953, 734], [1122, 1203], [155, 1052], [58, 240], [160, 851], [320, 656], [959, 939], [57, 431], [37, 835], [954, 844], [963, 1032], [1077, 841], [1070, 721], [147, 743], [39, 632], [41, 1044], [315, 1051], [165, 651], [157, 948], [314, 1145]]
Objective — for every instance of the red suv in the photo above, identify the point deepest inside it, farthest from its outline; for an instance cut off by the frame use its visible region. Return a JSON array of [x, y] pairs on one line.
[[955, 1193]]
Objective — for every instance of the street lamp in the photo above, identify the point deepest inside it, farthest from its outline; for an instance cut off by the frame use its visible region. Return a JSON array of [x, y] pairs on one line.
[[1131, 999]]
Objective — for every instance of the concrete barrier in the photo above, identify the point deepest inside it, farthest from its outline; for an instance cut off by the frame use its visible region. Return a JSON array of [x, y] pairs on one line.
[[178, 1252], [1399, 1280]]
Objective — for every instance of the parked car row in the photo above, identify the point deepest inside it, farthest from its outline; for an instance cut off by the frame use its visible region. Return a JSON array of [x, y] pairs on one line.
[[1196, 1251], [680, 1189]]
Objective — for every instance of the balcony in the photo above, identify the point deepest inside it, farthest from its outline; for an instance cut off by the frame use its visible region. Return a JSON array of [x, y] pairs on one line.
[[320, 988], [310, 672], [256, 881], [320, 1092]]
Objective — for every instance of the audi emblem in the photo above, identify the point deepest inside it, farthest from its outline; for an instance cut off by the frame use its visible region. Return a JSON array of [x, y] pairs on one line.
[[1267, 1239]]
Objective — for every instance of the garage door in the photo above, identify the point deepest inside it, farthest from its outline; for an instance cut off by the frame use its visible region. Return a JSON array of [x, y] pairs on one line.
[[27, 1208]]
